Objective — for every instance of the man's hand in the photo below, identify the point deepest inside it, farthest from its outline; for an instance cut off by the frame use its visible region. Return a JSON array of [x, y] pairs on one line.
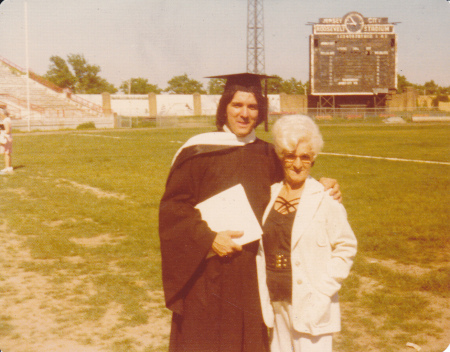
[[332, 185], [223, 244]]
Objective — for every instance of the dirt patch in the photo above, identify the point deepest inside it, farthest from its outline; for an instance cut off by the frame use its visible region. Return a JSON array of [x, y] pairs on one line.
[[368, 333], [413, 270], [21, 192], [368, 330], [38, 315], [99, 193], [94, 190], [99, 240]]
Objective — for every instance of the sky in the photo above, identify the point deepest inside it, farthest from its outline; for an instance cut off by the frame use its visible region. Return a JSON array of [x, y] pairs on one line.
[[159, 39]]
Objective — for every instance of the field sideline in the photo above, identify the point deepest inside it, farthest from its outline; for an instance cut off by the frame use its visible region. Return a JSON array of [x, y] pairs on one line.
[[79, 248]]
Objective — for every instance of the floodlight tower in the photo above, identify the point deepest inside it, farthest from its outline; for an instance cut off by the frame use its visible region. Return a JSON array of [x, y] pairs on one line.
[[255, 37]]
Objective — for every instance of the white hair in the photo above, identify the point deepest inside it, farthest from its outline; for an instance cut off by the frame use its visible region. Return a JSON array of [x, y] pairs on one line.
[[289, 130]]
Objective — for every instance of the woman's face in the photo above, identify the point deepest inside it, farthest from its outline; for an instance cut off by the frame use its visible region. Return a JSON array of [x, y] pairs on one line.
[[297, 164]]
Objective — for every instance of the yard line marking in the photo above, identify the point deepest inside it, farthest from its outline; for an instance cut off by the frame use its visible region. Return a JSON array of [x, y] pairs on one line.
[[96, 135], [392, 159]]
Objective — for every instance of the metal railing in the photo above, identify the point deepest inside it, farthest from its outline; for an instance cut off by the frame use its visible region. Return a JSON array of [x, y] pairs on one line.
[[23, 103], [363, 114], [12, 65], [41, 80], [35, 77], [87, 103], [58, 112]]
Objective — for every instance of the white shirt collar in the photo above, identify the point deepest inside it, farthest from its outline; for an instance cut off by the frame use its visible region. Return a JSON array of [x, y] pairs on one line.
[[250, 138]]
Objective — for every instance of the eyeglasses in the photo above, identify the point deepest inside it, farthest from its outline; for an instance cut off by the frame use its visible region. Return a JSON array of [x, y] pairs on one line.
[[305, 159]]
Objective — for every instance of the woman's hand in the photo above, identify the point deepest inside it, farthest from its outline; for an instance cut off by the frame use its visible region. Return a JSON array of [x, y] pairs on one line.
[[332, 185]]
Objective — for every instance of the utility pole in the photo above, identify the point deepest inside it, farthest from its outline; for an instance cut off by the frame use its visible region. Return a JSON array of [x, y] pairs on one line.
[[255, 43], [255, 37], [28, 66]]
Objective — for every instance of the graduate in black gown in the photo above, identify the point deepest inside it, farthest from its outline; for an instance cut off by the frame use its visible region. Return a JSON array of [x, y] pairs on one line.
[[214, 299]]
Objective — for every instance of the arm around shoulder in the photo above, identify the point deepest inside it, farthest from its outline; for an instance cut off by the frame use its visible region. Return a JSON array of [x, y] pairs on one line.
[[332, 186]]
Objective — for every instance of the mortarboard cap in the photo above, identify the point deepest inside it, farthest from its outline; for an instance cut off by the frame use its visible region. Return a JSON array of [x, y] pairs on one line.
[[247, 80]]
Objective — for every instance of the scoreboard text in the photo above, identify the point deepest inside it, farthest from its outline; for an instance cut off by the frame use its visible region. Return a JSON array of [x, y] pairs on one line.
[[353, 55]]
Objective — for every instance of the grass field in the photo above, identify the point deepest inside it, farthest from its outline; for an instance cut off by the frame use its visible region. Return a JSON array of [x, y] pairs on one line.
[[79, 248]]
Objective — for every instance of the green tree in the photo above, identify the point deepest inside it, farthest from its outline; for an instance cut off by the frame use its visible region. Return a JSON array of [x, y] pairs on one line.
[[83, 79], [216, 85], [274, 85], [102, 86], [60, 74], [428, 88], [438, 98], [139, 86], [184, 85], [292, 86], [277, 85], [402, 83], [431, 87], [88, 81]]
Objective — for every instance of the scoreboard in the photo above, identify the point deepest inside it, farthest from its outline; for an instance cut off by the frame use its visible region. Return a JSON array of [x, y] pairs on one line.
[[353, 55]]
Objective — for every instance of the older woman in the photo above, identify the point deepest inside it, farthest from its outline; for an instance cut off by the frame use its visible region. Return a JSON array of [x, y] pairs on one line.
[[307, 247]]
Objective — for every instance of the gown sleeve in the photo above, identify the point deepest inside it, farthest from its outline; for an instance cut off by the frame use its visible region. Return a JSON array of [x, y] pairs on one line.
[[185, 239]]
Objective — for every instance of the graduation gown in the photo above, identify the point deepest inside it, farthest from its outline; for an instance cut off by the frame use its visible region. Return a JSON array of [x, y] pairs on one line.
[[215, 301]]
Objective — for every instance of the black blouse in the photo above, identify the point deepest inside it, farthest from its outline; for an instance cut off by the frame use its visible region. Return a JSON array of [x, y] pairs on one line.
[[277, 249]]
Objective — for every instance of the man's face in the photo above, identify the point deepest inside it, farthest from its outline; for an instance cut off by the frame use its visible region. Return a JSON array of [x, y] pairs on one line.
[[242, 113]]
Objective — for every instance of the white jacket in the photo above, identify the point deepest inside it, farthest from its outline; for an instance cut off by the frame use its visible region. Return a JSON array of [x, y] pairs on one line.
[[322, 250]]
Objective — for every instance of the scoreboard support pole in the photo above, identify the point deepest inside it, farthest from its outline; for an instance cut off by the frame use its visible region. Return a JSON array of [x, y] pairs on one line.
[[326, 101], [379, 100]]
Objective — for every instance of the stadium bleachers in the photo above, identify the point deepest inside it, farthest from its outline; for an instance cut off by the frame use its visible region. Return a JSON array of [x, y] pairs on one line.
[[44, 101]]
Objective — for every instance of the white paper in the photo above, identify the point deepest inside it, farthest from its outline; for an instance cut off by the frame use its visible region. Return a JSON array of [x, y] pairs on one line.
[[231, 211]]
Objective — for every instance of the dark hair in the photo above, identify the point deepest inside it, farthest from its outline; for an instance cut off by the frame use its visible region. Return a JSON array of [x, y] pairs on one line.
[[227, 97]]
